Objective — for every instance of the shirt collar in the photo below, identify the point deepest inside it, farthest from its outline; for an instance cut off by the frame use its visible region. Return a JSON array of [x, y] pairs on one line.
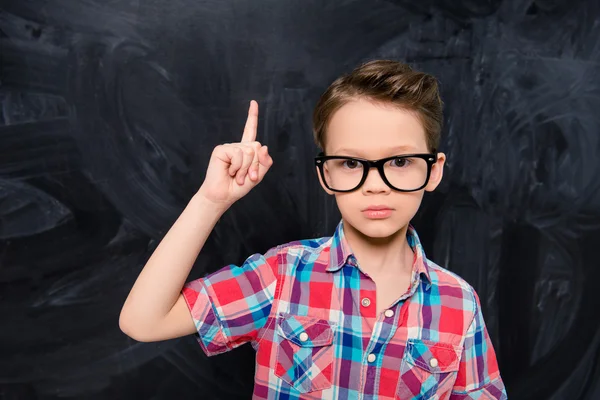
[[341, 254]]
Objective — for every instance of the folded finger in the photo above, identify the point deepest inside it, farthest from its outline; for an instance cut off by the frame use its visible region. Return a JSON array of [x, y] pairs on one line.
[[247, 160]]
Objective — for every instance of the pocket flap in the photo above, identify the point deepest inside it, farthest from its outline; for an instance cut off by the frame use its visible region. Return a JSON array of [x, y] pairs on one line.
[[305, 331], [434, 357]]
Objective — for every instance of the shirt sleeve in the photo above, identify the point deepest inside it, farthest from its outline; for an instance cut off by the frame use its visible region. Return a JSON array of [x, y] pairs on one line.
[[478, 375], [230, 306]]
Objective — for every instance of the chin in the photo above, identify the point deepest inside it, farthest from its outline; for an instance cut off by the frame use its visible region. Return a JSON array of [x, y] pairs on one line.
[[377, 228]]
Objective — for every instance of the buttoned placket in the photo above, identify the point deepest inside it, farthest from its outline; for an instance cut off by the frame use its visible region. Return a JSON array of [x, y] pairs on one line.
[[383, 331]]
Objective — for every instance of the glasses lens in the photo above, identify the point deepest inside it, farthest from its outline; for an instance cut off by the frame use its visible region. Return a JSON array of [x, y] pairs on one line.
[[405, 173], [342, 174]]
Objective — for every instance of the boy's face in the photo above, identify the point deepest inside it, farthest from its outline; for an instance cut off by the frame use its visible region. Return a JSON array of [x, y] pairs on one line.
[[373, 131]]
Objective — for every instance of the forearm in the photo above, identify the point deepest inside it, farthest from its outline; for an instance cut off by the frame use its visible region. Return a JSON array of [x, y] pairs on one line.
[[158, 286]]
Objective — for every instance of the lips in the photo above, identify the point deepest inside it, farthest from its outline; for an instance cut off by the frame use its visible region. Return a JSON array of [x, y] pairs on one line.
[[377, 208], [377, 212]]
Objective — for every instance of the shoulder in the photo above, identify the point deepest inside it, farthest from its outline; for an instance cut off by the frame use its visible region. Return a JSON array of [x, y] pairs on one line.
[[452, 288], [305, 247], [304, 251]]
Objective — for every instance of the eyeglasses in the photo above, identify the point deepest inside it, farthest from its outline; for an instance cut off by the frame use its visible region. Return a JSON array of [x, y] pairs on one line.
[[404, 173]]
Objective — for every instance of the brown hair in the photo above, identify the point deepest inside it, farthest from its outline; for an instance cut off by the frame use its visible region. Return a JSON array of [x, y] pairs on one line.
[[387, 82]]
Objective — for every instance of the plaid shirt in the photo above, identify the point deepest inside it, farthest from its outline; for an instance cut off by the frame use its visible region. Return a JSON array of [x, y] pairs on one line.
[[309, 312]]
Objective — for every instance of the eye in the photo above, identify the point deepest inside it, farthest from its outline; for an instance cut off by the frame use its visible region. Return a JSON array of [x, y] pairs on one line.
[[351, 164], [400, 162]]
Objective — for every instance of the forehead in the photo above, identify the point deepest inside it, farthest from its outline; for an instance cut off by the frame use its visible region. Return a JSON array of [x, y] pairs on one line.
[[367, 128]]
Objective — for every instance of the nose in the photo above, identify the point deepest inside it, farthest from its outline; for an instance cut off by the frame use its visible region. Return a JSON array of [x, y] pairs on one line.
[[374, 183]]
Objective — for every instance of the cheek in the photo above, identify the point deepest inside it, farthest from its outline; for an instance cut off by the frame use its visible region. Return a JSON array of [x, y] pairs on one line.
[[407, 205], [348, 202]]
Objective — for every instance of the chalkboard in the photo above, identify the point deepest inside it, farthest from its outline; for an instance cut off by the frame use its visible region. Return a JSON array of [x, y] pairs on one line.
[[110, 110]]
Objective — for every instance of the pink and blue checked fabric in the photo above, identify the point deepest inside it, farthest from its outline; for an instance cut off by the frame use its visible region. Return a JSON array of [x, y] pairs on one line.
[[303, 308]]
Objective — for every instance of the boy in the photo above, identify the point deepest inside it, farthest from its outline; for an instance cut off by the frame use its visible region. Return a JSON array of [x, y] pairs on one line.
[[361, 314]]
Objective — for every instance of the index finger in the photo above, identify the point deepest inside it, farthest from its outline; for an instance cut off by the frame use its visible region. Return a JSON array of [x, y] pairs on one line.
[[251, 123]]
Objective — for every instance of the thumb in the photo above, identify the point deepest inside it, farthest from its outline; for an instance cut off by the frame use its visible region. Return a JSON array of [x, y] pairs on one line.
[[264, 162]]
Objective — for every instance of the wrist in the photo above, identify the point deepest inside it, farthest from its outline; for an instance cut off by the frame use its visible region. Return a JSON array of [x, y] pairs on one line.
[[201, 202]]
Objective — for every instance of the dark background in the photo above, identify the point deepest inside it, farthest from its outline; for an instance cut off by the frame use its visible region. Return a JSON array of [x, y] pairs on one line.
[[110, 110]]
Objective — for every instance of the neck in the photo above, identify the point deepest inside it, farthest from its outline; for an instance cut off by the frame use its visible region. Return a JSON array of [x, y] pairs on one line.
[[381, 257]]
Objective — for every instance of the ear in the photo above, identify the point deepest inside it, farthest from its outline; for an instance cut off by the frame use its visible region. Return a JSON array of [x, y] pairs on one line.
[[329, 192], [437, 172]]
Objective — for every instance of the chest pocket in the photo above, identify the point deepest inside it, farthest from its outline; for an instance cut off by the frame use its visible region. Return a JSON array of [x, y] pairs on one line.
[[304, 352], [428, 369]]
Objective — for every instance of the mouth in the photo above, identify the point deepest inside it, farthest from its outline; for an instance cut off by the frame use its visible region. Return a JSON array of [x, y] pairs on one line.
[[377, 208], [377, 212]]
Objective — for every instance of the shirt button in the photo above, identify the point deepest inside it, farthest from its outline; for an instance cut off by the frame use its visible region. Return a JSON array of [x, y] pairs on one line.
[[389, 313], [366, 302], [433, 362], [371, 357], [303, 337]]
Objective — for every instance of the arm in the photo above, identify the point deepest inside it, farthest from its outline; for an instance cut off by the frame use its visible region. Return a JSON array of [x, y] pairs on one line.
[[478, 374], [155, 308], [231, 306]]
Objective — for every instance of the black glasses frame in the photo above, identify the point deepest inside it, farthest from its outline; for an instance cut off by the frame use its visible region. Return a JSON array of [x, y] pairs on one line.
[[430, 159]]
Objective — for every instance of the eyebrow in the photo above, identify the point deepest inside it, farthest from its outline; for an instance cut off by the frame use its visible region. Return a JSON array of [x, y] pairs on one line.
[[410, 149]]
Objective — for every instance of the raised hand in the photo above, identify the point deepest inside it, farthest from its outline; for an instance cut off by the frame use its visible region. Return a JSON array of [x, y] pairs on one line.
[[235, 168]]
